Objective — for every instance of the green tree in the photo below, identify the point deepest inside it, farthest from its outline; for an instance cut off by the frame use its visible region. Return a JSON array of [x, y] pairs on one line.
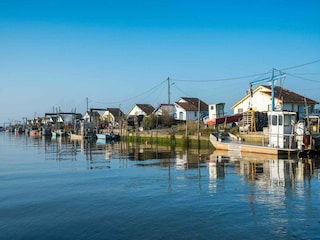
[[150, 122], [165, 119]]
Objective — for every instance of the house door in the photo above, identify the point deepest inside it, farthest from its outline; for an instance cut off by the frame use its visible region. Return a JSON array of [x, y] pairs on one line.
[[276, 129]]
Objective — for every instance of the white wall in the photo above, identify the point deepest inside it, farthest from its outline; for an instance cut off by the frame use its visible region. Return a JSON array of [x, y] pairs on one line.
[[259, 102], [216, 110], [136, 111], [180, 113]]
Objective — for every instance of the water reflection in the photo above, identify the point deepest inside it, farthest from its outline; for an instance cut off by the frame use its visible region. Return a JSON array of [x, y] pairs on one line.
[[269, 198], [60, 149], [265, 171], [261, 170]]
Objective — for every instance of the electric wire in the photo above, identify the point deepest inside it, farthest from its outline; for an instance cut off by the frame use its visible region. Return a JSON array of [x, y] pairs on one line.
[[243, 77], [219, 79], [301, 65], [304, 78], [257, 76], [180, 90], [136, 96]]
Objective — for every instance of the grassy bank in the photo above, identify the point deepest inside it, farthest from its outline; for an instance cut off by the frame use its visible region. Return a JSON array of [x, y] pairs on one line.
[[169, 139]]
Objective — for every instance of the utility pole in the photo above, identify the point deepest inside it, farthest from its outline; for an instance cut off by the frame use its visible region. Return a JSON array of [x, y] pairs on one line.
[[168, 90], [198, 124], [272, 91], [87, 104]]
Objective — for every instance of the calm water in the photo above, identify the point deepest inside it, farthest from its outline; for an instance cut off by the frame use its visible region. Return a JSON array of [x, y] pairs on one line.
[[56, 189]]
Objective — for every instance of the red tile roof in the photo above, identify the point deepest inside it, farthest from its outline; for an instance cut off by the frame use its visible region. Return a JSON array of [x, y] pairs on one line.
[[288, 96]]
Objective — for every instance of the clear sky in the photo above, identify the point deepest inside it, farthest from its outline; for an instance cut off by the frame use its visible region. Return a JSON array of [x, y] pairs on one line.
[[55, 54]]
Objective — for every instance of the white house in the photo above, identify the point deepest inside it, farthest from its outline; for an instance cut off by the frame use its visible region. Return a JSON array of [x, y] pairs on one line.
[[112, 115], [91, 115], [186, 109], [141, 109], [260, 101], [168, 108]]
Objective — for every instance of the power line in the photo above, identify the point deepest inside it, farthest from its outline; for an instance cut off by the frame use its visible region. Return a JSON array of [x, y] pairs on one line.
[[216, 80], [220, 79], [307, 73], [179, 89], [242, 77], [138, 95], [304, 78], [301, 65]]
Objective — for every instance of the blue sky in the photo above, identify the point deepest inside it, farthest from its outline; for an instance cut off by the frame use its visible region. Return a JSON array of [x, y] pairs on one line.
[[55, 54]]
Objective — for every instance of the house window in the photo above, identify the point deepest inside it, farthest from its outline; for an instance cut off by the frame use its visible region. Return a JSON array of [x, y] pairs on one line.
[[195, 114], [240, 110], [287, 120], [274, 120], [212, 107]]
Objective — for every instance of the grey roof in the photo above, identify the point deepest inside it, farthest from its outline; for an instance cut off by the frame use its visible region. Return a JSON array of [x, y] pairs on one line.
[[191, 104], [116, 112]]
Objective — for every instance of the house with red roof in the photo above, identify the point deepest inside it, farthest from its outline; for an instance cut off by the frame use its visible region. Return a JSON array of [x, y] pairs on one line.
[[190, 109], [259, 100]]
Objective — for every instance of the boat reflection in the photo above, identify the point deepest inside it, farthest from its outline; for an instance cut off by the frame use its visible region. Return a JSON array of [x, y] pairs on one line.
[[264, 170]]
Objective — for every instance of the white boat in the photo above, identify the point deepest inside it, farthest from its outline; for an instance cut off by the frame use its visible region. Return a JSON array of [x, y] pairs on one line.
[[108, 137], [285, 136]]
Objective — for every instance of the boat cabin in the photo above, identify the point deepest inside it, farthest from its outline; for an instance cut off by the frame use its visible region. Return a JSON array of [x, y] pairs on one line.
[[281, 128], [314, 123]]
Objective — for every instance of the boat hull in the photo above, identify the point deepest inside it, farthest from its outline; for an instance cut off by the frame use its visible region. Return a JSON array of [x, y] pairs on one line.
[[248, 148], [107, 137]]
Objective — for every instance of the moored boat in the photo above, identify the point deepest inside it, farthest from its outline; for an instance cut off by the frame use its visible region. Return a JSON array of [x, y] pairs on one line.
[[54, 134], [227, 144], [34, 132], [285, 137], [108, 137]]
